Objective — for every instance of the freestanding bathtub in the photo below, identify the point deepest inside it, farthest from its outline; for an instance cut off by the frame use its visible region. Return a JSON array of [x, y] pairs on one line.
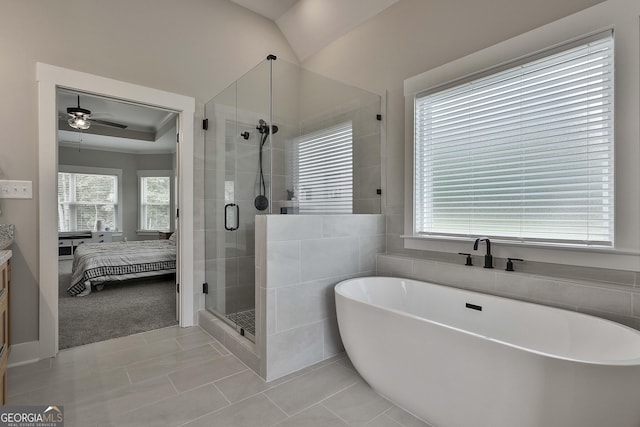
[[458, 358]]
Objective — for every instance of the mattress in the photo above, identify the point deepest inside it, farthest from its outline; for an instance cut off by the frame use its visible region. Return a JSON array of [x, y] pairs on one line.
[[96, 263]]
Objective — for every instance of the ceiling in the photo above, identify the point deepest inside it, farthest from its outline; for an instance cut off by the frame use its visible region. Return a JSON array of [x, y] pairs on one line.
[[149, 129], [272, 9], [310, 25]]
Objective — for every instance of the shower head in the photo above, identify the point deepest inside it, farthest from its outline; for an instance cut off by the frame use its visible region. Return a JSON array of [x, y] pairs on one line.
[[263, 128]]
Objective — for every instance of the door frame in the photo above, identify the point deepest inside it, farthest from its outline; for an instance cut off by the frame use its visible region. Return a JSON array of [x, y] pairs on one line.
[[49, 78]]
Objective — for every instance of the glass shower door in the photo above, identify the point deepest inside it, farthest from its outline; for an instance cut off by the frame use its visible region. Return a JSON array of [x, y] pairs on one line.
[[221, 209], [237, 180]]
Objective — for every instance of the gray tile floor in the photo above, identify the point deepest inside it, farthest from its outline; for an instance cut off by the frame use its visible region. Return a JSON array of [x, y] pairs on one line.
[[184, 377]]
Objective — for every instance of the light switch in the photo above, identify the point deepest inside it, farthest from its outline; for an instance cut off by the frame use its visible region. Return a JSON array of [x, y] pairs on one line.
[[16, 189]]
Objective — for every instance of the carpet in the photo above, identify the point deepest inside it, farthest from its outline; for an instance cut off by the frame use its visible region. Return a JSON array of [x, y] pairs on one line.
[[120, 309]]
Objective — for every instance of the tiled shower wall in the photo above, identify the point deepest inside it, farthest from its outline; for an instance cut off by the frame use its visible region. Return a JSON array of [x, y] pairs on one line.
[[611, 294], [299, 260]]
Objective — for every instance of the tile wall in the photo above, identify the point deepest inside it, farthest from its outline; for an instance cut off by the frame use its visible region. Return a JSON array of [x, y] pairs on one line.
[[299, 260], [610, 294]]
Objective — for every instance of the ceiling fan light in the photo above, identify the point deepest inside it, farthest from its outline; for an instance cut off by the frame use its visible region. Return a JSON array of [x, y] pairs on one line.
[[79, 123]]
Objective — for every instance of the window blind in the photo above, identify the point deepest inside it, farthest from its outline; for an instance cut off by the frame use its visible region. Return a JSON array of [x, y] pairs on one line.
[[85, 198], [525, 153], [325, 171]]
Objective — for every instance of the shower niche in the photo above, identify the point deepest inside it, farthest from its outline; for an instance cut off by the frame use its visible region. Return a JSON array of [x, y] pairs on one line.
[[280, 140]]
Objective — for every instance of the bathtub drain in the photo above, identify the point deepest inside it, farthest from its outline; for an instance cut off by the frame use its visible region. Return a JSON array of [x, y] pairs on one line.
[[473, 306]]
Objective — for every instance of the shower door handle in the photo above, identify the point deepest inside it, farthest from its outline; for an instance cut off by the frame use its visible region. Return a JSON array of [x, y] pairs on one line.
[[226, 217]]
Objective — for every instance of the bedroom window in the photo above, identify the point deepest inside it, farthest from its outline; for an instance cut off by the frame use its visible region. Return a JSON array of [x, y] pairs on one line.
[[155, 200], [86, 197], [523, 152], [325, 170]]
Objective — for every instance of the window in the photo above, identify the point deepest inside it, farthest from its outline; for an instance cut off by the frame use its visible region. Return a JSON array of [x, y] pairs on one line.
[[524, 152], [325, 171], [155, 200], [85, 197]]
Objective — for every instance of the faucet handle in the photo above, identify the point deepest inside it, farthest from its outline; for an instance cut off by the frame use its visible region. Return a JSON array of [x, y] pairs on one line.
[[469, 260], [510, 263]]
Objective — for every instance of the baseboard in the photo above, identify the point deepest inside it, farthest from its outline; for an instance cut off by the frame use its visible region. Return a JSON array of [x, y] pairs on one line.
[[23, 353]]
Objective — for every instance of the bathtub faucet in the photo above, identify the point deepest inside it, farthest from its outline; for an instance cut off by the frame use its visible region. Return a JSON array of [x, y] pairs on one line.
[[488, 258]]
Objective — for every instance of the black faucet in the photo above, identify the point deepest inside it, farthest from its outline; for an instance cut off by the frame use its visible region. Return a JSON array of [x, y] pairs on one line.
[[488, 258]]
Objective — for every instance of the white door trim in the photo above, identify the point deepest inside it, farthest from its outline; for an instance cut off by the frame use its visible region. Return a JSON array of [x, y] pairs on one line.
[[49, 78]]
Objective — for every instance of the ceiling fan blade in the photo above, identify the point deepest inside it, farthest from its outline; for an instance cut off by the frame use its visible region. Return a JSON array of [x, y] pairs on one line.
[[108, 123]]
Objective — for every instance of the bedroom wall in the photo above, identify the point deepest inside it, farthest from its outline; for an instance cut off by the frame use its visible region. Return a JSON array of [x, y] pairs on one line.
[[130, 164], [194, 48]]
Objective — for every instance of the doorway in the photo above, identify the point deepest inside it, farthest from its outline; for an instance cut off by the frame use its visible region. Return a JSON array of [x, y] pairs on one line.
[[50, 78], [116, 215]]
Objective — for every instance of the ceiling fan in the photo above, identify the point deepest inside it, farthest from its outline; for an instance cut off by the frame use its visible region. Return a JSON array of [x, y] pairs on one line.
[[81, 118]]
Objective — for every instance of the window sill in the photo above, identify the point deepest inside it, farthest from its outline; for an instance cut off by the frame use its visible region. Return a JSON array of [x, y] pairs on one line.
[[592, 256]]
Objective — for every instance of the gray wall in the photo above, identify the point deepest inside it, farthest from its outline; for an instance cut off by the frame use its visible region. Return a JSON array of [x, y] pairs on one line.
[[414, 36], [143, 42], [130, 164], [610, 294], [191, 48], [299, 260]]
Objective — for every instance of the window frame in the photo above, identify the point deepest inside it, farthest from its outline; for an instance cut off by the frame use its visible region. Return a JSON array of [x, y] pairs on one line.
[[494, 76], [156, 174], [87, 170], [625, 255]]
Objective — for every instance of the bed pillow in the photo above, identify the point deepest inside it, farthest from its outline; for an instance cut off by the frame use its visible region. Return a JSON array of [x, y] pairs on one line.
[[172, 239]]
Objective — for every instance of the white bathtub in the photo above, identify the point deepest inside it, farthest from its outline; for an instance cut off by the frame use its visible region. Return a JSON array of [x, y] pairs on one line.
[[462, 359]]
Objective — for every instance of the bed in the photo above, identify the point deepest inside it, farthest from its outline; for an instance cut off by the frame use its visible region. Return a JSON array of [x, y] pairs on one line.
[[97, 263]]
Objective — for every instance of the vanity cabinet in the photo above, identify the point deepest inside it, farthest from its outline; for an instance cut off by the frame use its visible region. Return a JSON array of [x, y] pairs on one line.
[[5, 277]]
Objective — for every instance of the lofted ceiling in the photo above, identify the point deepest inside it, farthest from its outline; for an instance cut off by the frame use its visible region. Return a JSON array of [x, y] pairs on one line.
[[310, 25], [272, 9], [149, 130]]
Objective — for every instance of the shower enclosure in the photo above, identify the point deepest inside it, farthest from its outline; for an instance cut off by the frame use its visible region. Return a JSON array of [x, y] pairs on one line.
[[280, 140]]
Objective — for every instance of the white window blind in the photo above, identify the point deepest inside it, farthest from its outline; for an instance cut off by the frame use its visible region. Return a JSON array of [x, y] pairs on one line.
[[525, 153], [155, 202], [325, 171], [85, 198]]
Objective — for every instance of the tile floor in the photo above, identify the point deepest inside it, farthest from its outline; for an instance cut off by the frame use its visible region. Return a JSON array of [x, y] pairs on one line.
[[184, 377]]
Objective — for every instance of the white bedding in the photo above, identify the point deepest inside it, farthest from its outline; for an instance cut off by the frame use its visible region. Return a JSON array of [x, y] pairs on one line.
[[96, 263]]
